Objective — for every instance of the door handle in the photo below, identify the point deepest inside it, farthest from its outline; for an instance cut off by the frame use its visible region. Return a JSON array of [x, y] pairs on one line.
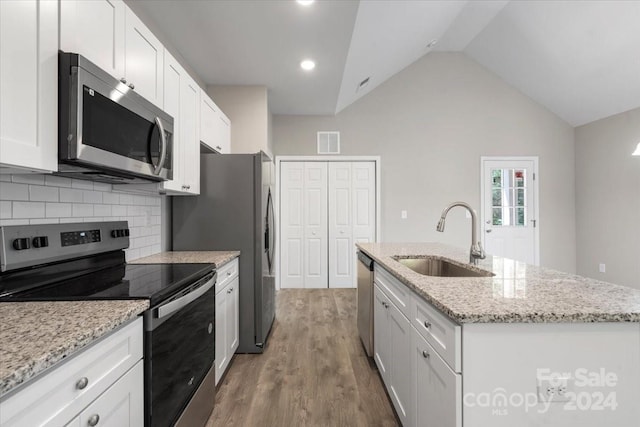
[[163, 149]]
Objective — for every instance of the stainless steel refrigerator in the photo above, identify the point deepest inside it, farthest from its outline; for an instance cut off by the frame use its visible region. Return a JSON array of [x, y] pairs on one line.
[[234, 211]]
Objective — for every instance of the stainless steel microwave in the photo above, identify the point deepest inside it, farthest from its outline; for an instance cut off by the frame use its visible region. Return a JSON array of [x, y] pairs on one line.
[[107, 132]]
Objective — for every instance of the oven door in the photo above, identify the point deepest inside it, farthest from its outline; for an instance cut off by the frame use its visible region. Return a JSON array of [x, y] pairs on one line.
[[179, 351], [108, 125]]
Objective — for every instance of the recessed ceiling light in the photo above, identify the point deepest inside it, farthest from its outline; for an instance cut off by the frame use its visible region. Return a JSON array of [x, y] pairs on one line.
[[307, 65], [304, 2]]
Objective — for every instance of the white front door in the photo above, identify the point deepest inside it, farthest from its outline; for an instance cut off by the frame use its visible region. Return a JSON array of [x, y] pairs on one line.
[[509, 208]]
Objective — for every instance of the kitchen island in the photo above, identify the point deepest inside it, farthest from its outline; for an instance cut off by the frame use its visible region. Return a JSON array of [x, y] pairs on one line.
[[526, 346]]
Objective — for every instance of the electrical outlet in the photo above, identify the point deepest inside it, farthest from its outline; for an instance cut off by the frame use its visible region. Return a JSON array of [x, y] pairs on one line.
[[554, 389], [403, 214], [602, 268]]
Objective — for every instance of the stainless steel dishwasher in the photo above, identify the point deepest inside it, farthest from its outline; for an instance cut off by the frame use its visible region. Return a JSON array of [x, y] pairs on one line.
[[365, 302]]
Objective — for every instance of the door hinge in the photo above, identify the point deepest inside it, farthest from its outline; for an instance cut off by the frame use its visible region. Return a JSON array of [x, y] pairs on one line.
[[534, 222], [534, 176]]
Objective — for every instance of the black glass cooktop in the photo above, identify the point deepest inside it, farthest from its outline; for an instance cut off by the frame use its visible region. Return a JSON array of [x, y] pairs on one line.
[[105, 278]]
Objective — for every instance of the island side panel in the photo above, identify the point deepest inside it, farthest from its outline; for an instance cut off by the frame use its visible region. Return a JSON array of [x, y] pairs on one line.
[[503, 363]]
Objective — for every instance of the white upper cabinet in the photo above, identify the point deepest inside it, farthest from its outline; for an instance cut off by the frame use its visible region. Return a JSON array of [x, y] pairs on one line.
[[95, 29], [190, 133], [28, 85], [143, 63], [173, 75], [215, 127]]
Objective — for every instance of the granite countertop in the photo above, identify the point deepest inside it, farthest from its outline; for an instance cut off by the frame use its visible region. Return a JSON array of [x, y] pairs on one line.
[[518, 293], [218, 258], [36, 335]]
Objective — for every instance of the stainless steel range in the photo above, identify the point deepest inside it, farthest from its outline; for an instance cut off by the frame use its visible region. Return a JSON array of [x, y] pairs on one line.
[[86, 261]]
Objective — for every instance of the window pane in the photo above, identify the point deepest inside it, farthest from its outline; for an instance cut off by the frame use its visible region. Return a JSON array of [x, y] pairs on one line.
[[496, 177], [520, 178], [520, 217], [497, 197], [520, 197], [497, 216]]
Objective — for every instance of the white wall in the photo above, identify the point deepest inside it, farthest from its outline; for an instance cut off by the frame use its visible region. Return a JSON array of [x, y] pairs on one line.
[[247, 108], [430, 124], [608, 199], [47, 199]]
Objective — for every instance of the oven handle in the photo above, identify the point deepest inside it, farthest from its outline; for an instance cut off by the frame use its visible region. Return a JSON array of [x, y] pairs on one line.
[[163, 150], [171, 307]]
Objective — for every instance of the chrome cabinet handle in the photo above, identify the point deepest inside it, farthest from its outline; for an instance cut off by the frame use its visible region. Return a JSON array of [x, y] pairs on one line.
[[427, 324], [123, 80], [93, 420], [385, 305], [425, 354], [131, 86], [218, 147], [229, 290], [82, 383], [163, 150], [228, 273]]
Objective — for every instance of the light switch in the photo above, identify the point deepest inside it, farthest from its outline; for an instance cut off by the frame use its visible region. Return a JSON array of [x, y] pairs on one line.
[[403, 214], [602, 267]]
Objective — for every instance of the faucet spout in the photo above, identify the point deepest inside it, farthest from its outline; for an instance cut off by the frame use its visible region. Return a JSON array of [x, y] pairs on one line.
[[476, 251]]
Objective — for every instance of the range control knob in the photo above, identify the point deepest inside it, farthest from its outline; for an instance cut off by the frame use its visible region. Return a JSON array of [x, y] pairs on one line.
[[21, 244], [120, 233], [115, 233], [40, 242]]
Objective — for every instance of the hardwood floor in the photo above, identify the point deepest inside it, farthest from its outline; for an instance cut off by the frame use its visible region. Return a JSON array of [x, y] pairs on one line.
[[314, 371]]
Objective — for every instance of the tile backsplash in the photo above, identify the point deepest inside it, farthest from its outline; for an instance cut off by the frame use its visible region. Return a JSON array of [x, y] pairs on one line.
[[50, 199]]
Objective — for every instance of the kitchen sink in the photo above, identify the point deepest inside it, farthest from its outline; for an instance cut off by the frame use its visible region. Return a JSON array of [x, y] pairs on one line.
[[432, 266]]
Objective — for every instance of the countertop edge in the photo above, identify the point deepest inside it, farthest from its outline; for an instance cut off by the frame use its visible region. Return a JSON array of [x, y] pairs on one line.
[[217, 258]]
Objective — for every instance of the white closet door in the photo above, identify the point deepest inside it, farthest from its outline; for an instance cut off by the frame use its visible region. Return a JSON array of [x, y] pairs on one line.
[[341, 247], [315, 225], [292, 229], [364, 207]]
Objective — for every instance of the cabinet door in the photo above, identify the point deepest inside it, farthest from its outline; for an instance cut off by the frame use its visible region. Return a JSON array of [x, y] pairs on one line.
[[381, 344], [438, 389], [221, 333], [190, 101], [95, 29], [233, 308], [173, 75], [209, 122], [224, 133], [400, 365], [143, 63], [29, 85], [121, 405]]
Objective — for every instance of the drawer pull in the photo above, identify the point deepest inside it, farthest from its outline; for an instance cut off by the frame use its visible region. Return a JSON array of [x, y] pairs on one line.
[[228, 273], [93, 420], [427, 324], [425, 354], [385, 305], [82, 383]]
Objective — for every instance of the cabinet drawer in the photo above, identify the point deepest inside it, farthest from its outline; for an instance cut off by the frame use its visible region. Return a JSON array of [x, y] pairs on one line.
[[226, 274], [59, 395], [443, 334], [396, 291]]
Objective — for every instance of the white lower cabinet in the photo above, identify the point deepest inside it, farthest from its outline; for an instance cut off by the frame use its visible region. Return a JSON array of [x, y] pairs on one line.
[[437, 390], [103, 382], [393, 352], [424, 389], [227, 316]]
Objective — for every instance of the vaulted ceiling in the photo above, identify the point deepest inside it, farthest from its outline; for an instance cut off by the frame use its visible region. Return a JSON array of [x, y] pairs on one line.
[[579, 59]]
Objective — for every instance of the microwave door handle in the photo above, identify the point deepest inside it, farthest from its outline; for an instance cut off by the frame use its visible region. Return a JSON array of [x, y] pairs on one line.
[[163, 149]]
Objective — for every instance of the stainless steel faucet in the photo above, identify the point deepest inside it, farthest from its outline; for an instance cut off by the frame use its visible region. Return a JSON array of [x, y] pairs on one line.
[[476, 248]]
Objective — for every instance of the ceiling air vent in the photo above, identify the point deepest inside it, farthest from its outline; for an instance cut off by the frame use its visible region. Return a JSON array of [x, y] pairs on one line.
[[329, 142]]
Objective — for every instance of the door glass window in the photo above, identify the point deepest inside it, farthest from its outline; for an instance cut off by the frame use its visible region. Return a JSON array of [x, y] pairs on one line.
[[509, 199]]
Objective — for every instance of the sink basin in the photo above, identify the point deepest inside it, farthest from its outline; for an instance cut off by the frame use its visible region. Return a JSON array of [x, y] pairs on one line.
[[431, 266]]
